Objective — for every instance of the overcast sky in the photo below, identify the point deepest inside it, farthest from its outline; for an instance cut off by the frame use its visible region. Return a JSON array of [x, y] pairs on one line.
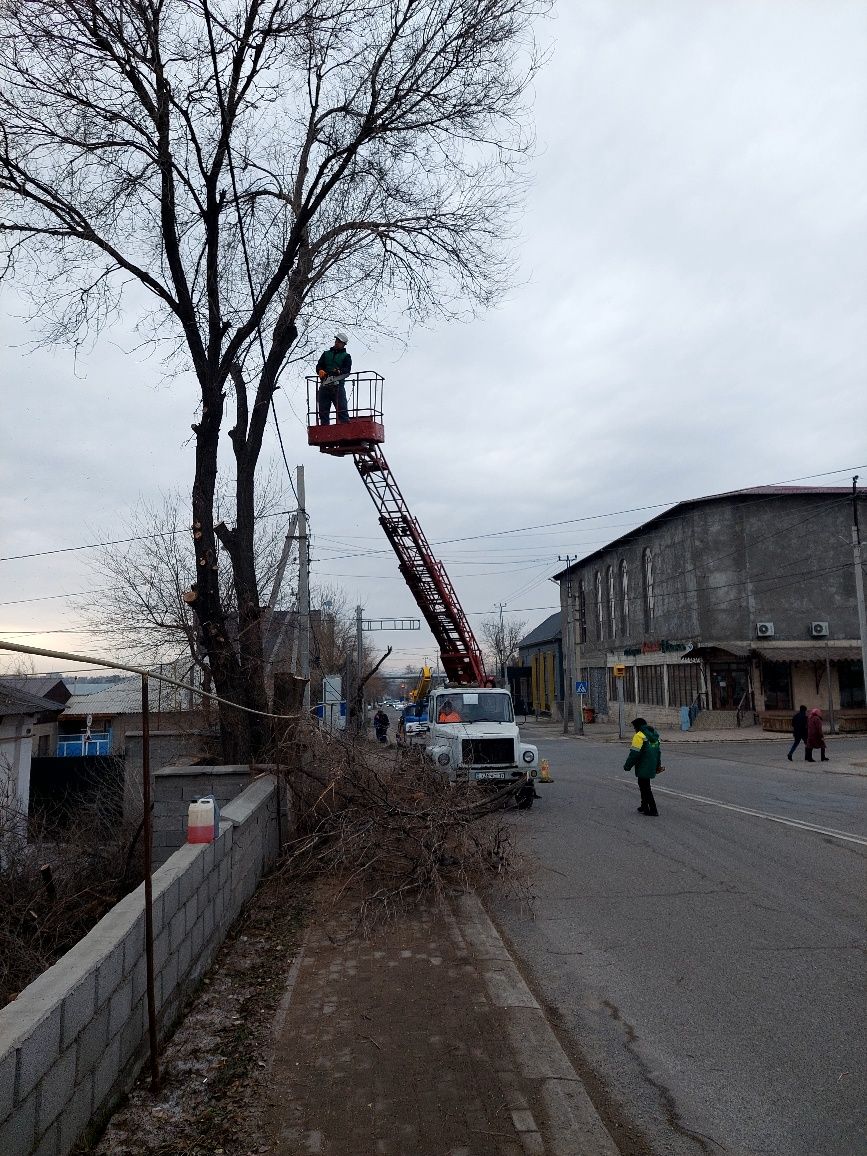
[[689, 316]]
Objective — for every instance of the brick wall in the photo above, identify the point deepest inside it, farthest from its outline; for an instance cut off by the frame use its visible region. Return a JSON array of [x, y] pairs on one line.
[[76, 1038]]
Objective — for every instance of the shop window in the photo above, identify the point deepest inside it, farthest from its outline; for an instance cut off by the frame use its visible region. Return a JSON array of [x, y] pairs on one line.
[[651, 685], [628, 685], [777, 685], [684, 683], [851, 678]]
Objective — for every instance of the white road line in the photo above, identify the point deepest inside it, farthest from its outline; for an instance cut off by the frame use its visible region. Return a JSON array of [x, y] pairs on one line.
[[829, 831]]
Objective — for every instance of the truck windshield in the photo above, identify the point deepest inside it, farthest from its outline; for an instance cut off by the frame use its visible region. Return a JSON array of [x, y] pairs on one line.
[[474, 706]]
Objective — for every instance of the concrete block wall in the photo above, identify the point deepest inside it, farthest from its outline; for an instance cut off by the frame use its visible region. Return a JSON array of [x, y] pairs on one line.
[[76, 1038], [167, 748], [176, 787]]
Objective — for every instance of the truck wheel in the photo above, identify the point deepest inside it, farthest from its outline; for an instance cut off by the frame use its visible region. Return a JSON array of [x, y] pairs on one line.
[[524, 797]]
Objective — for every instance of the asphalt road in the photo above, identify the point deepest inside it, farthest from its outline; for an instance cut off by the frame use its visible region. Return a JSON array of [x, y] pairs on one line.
[[705, 968]]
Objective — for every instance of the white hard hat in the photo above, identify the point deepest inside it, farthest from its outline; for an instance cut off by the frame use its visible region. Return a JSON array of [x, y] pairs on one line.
[[341, 337]]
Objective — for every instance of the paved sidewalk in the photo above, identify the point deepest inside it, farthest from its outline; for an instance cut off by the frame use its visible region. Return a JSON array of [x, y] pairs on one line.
[[403, 1045]]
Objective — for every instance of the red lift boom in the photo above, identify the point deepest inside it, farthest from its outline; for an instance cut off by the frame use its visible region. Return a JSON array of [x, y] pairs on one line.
[[361, 437]]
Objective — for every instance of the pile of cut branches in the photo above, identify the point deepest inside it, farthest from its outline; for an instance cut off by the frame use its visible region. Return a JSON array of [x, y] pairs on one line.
[[392, 830]]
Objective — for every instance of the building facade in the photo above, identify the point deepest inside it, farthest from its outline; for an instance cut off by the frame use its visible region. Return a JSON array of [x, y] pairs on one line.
[[737, 607], [538, 683]]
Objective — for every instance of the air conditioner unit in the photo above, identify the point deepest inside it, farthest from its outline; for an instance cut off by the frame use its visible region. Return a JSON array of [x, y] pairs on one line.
[[764, 630], [819, 629]]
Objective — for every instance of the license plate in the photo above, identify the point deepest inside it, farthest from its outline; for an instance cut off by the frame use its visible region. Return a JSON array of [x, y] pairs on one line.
[[480, 775]]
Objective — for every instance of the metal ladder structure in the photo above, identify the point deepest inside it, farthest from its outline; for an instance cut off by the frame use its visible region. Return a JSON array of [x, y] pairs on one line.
[[360, 435], [426, 578]]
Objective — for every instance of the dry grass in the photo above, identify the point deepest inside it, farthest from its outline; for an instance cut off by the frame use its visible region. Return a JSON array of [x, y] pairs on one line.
[[58, 880]]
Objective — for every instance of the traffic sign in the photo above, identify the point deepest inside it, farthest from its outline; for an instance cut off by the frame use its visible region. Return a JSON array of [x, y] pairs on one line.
[[581, 687]]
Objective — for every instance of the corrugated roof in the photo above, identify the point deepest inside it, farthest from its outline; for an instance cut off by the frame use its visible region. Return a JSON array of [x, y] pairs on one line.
[[808, 651], [15, 701], [41, 685], [125, 698], [546, 631], [750, 492]]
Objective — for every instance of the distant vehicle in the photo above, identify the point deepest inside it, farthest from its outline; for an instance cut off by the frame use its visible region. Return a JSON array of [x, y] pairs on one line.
[[413, 723]]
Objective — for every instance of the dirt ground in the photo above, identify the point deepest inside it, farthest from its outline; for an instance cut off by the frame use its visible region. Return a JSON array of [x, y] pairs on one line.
[[215, 1069]]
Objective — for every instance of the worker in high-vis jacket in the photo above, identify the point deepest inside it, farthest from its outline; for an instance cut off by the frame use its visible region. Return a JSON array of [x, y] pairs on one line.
[[645, 756], [332, 369]]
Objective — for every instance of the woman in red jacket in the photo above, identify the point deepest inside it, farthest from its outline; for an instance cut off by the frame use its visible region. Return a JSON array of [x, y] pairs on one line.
[[815, 737]]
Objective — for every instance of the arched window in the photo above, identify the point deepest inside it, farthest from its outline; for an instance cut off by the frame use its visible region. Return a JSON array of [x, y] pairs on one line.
[[582, 612], [647, 568], [612, 603], [600, 608], [624, 597]]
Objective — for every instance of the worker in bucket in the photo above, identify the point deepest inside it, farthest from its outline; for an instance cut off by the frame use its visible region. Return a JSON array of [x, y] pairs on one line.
[[332, 369]]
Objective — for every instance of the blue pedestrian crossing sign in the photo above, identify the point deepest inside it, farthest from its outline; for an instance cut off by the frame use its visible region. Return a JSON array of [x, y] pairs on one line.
[[581, 687]]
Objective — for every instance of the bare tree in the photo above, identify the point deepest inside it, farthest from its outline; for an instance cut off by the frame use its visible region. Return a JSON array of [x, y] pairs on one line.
[[502, 637], [143, 599], [258, 166]]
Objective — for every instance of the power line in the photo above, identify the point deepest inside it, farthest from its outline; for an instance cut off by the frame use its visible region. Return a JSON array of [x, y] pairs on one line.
[[49, 597], [122, 541]]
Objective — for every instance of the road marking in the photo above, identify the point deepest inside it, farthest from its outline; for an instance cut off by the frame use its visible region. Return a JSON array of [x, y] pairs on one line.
[[830, 831]]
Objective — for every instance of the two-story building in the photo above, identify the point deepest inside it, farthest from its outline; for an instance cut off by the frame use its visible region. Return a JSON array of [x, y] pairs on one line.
[[738, 607]]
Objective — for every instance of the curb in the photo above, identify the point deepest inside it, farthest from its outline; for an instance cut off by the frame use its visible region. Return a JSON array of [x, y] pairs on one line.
[[573, 1124]]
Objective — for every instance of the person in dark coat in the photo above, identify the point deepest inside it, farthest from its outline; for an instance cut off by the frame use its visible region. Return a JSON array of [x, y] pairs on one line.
[[815, 737], [332, 369], [380, 725], [799, 730], [646, 757]]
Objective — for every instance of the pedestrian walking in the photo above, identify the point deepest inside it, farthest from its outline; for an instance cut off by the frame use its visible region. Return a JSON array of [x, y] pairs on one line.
[[815, 736], [645, 756], [381, 724], [799, 730], [332, 369]]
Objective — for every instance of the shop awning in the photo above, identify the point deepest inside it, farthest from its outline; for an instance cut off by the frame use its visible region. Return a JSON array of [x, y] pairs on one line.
[[776, 651], [808, 651], [714, 649]]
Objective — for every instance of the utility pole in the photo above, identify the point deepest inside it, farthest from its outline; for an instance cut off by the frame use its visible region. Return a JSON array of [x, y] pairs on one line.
[[568, 701], [858, 555], [502, 654], [303, 591], [358, 695]]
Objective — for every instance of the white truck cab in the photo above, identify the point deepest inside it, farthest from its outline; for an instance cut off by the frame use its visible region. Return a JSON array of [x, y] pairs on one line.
[[473, 737]]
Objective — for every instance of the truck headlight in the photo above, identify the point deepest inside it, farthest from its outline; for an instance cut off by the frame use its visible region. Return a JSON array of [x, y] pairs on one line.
[[443, 759], [528, 756]]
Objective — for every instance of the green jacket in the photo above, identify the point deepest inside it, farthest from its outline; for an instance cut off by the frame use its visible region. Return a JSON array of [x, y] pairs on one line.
[[644, 754], [334, 362]]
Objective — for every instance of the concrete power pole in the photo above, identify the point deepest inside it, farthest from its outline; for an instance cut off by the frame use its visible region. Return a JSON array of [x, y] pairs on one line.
[[857, 551], [359, 666], [303, 590], [502, 654]]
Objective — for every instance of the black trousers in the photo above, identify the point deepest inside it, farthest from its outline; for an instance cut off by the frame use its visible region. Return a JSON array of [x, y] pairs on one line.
[[648, 803]]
